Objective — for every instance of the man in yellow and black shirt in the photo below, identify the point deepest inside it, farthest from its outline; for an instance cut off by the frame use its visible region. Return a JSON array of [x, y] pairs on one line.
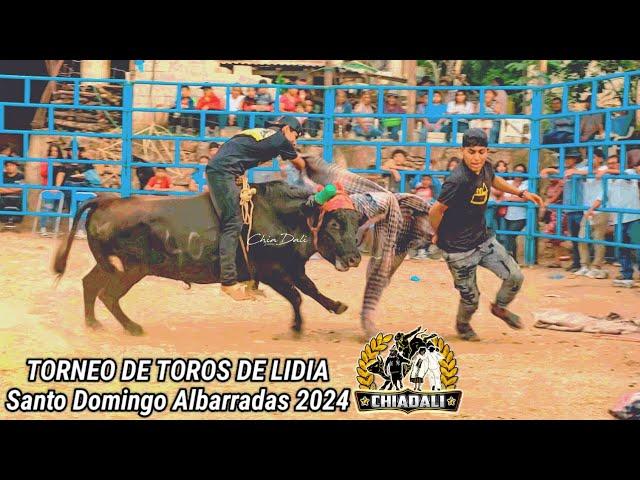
[[246, 150], [458, 218]]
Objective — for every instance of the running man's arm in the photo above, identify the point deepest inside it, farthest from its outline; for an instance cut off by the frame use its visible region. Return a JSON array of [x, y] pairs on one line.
[[436, 212]]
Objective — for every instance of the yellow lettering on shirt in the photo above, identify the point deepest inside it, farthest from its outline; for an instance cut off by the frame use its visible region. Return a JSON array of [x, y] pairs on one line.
[[481, 196], [258, 133]]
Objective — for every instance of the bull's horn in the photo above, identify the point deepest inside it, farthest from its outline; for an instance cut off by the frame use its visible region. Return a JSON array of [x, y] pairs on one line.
[[326, 194]]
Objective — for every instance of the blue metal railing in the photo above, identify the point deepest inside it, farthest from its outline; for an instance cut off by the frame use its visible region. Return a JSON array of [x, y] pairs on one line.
[[328, 141]]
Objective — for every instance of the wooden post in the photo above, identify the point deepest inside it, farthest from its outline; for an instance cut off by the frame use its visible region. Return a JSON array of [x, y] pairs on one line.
[[53, 68], [328, 73], [409, 69]]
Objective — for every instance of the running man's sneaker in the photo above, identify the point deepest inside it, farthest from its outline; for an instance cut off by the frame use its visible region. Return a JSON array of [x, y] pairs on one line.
[[465, 332], [623, 283], [237, 291], [508, 317], [598, 274]]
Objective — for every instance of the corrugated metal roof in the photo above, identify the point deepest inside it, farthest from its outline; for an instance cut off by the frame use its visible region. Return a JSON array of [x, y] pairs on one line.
[[277, 63]]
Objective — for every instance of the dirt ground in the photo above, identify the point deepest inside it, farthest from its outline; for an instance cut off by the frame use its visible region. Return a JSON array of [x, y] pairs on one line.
[[529, 374]]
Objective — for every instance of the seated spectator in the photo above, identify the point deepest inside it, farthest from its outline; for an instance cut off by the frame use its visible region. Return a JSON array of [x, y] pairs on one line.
[[624, 193], [210, 101], [562, 128], [436, 183], [264, 103], [178, 121], [248, 105], [393, 165], [289, 100], [592, 124], [235, 104], [392, 125], [516, 217], [425, 189], [449, 95], [9, 196], [491, 127], [364, 126], [434, 120], [342, 125], [460, 106], [160, 181]]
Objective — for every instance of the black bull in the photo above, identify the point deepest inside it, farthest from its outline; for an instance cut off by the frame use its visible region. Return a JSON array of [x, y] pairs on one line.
[[178, 238]]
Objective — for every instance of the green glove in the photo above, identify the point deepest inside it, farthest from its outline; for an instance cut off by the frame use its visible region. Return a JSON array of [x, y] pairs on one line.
[[326, 194]]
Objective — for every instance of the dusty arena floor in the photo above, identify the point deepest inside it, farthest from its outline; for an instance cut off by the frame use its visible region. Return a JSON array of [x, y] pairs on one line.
[[529, 374]]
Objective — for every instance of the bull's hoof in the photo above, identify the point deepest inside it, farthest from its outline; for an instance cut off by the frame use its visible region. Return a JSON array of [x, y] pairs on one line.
[[94, 324], [340, 308], [134, 329]]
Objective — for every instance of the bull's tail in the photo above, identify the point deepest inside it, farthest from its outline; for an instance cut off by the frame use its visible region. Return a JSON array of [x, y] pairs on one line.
[[62, 254]]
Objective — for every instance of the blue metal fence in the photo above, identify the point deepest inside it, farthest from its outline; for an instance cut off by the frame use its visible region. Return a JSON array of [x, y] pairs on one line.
[[533, 102]]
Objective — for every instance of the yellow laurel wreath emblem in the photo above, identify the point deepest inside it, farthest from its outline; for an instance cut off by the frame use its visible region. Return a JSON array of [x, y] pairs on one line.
[[378, 344], [448, 368]]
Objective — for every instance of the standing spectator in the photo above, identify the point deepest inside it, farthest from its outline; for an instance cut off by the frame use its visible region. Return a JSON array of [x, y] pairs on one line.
[[553, 196], [248, 105], [264, 103], [178, 121], [235, 104], [598, 222], [460, 106], [160, 181], [289, 100], [434, 111], [490, 126], [516, 217], [54, 151], [72, 174], [495, 214], [10, 196], [392, 125], [501, 95], [590, 125], [561, 128], [572, 196], [342, 125], [624, 193], [393, 165], [364, 126]]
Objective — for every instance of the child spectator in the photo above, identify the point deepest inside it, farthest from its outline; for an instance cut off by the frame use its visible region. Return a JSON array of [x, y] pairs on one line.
[[392, 125], [210, 101], [289, 100], [434, 120], [177, 121], [425, 189], [160, 181]]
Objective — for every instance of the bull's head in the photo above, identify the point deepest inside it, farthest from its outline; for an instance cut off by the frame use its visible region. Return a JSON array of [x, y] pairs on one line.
[[334, 227]]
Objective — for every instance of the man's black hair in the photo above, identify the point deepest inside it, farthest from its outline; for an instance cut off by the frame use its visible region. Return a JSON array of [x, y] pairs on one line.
[[475, 137], [598, 152], [399, 150], [499, 80]]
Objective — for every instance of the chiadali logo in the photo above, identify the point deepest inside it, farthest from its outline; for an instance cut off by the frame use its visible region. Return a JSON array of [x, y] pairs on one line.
[[423, 359]]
